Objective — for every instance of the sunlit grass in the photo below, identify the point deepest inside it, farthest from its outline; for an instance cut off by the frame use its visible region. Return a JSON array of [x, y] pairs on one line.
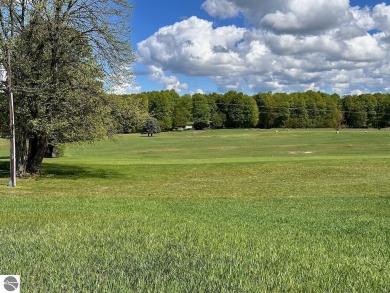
[[215, 211]]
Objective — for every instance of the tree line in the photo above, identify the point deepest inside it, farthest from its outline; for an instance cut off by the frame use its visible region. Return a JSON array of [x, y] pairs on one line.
[[237, 110]]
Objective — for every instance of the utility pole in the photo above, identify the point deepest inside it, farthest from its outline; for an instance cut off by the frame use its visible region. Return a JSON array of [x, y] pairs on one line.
[[11, 122]]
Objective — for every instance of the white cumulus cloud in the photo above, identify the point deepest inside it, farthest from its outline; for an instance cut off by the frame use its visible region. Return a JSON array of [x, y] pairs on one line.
[[170, 82], [193, 47], [126, 88], [381, 16], [290, 45], [306, 16], [221, 8]]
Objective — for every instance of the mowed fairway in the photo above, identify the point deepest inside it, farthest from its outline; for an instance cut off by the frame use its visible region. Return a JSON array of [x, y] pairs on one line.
[[212, 211]]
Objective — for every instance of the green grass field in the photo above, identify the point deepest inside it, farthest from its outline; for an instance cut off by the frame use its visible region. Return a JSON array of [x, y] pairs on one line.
[[212, 211]]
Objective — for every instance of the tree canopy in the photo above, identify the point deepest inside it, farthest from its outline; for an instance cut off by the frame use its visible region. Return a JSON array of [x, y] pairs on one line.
[[61, 50], [151, 126]]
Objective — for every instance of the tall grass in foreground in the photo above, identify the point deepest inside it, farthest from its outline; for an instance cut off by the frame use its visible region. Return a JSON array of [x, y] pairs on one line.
[[215, 211]]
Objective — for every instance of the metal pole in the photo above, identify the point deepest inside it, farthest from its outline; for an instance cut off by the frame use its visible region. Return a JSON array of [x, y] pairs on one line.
[[13, 148], [12, 124]]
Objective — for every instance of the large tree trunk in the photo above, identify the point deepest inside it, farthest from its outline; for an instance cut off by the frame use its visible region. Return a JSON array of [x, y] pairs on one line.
[[21, 153], [37, 150]]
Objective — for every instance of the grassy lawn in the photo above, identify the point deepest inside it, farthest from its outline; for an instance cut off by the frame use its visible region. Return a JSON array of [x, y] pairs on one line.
[[212, 211]]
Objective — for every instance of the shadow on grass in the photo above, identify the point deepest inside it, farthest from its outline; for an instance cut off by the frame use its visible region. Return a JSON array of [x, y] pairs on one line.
[[4, 169], [77, 172], [65, 171]]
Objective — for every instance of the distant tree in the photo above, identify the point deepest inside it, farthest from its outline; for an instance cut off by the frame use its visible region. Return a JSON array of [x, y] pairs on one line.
[[128, 111], [274, 109], [298, 113], [151, 126], [355, 112], [338, 119], [383, 109], [211, 98], [200, 111], [182, 111], [222, 103], [218, 120], [333, 115], [371, 106], [243, 111], [281, 109], [264, 103], [313, 114], [161, 106]]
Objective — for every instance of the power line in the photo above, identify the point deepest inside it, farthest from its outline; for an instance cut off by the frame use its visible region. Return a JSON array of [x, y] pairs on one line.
[[301, 109]]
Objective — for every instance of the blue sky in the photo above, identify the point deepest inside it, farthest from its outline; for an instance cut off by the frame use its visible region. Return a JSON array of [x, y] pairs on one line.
[[261, 45]]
